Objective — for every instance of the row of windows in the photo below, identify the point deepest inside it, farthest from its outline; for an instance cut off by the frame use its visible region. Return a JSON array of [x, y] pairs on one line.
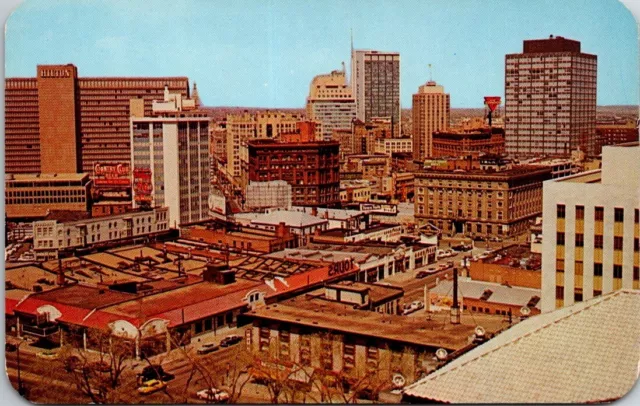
[[618, 213]]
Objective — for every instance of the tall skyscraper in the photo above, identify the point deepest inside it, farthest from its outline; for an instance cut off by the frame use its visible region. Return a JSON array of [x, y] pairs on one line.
[[550, 106], [431, 112], [591, 230], [331, 103], [170, 158], [375, 82], [59, 122]]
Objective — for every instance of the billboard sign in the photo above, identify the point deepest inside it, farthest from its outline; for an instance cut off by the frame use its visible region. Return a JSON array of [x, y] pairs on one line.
[[217, 204], [142, 185], [109, 175]]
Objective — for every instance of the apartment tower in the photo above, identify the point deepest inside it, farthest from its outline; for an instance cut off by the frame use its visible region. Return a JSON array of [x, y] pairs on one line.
[[550, 106], [431, 112], [375, 82], [331, 103], [590, 230], [58, 122]]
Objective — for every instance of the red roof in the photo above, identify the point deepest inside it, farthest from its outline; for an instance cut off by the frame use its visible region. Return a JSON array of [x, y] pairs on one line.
[[69, 314]]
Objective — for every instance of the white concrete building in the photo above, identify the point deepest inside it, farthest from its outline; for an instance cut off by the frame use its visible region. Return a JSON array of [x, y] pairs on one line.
[[170, 160], [50, 236], [388, 146], [590, 230]]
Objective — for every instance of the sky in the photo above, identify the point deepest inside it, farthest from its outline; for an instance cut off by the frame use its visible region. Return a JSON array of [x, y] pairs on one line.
[[265, 53]]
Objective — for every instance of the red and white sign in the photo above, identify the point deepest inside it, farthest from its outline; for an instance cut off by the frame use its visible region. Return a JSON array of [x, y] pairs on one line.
[[142, 185], [109, 175], [492, 102]]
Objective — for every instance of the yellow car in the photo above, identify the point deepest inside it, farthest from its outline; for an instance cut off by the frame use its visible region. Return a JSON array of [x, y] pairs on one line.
[[151, 386]]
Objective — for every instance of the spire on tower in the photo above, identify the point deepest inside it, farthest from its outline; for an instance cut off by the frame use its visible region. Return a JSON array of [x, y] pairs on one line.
[[194, 95]]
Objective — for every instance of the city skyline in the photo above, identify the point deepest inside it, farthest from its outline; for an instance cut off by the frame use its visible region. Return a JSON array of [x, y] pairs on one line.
[[193, 39]]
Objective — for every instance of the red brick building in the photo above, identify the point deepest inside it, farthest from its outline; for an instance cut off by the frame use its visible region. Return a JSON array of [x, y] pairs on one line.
[[487, 140], [311, 168], [613, 134], [60, 123]]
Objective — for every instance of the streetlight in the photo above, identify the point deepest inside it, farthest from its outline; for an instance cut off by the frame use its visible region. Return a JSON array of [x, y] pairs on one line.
[[21, 389]]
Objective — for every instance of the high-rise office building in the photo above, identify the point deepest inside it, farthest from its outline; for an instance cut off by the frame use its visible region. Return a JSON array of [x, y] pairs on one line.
[[58, 122], [431, 112], [550, 106], [591, 229], [170, 158], [331, 103], [375, 83]]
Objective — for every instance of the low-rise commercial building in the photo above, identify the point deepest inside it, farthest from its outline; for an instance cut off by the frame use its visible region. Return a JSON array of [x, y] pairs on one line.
[[301, 225], [32, 196], [453, 144], [52, 236], [242, 238], [513, 266], [390, 146]]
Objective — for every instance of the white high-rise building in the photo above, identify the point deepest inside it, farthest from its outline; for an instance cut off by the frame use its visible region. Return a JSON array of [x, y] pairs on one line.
[[431, 112], [375, 82], [170, 159], [331, 103], [590, 230], [550, 103]]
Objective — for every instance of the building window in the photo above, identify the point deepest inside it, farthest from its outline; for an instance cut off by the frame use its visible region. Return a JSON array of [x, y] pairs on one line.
[[560, 238], [577, 295], [560, 211], [579, 212], [349, 356], [599, 213], [597, 269], [617, 271], [265, 336], [636, 244], [617, 243], [284, 343], [636, 273], [578, 268], [636, 216], [618, 215], [560, 292], [598, 241], [559, 265], [579, 240], [305, 350]]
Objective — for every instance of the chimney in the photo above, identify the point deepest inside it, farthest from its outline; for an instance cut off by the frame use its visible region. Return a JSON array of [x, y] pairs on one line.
[[455, 307], [281, 229], [314, 211], [166, 92], [60, 273]]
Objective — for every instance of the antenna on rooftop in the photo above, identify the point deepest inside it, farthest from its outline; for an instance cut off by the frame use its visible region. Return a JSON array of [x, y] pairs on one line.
[[430, 73]]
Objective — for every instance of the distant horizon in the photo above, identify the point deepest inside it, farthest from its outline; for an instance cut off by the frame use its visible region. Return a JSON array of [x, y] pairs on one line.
[[273, 63]]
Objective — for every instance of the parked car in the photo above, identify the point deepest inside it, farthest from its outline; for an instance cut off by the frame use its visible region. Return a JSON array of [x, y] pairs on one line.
[[47, 354], [495, 239], [151, 386], [412, 307], [154, 372], [207, 348], [213, 395], [230, 340], [424, 274]]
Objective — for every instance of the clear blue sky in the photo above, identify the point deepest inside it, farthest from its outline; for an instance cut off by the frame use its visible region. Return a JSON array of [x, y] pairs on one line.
[[265, 53]]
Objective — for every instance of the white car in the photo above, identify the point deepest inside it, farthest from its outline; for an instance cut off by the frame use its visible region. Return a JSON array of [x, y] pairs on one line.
[[414, 306], [213, 395]]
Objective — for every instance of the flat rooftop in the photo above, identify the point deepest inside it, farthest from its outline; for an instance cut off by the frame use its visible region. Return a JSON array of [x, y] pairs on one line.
[[84, 297], [377, 293], [33, 177], [594, 176], [342, 318], [515, 256]]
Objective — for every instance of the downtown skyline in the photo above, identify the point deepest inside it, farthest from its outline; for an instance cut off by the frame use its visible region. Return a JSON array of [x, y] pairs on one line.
[[273, 64]]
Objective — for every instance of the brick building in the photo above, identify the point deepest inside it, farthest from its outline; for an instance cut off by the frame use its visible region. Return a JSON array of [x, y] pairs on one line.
[[480, 202], [487, 140], [311, 168], [59, 122], [612, 134], [514, 266]]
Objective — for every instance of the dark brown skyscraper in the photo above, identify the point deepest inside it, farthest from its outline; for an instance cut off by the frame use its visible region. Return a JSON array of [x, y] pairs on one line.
[[58, 122]]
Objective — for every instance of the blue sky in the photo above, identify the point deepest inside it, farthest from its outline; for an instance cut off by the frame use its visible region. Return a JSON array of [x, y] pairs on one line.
[[264, 53]]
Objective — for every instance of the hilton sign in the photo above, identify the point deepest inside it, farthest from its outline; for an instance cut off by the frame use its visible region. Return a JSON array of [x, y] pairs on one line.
[[55, 73]]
